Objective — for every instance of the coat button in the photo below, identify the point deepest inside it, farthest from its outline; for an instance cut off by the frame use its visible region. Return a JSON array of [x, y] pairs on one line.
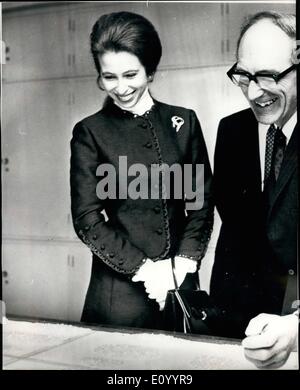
[[291, 272], [86, 227], [148, 145], [121, 261], [156, 209], [112, 255], [159, 231], [94, 237], [102, 247]]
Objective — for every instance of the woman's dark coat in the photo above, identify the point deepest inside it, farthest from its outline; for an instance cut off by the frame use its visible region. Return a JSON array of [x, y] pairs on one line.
[[136, 229]]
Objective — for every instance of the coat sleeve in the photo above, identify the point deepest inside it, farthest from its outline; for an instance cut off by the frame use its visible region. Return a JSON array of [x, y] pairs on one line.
[[89, 222], [198, 222]]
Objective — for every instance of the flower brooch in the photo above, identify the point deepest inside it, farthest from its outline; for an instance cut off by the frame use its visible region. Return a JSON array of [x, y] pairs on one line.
[[177, 122]]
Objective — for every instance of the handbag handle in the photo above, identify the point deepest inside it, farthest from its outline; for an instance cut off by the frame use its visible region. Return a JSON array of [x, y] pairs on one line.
[[186, 315], [174, 276], [173, 272]]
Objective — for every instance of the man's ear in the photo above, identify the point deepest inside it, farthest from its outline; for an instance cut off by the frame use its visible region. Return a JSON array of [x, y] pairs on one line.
[[296, 53]]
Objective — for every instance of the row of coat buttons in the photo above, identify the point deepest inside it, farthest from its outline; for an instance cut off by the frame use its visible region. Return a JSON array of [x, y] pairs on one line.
[[145, 125], [149, 145], [163, 187], [112, 254]]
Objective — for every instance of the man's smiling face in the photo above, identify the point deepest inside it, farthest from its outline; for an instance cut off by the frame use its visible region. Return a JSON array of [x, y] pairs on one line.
[[266, 48]]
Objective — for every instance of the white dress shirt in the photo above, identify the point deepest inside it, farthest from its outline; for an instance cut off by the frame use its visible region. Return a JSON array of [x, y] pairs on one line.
[[262, 133]]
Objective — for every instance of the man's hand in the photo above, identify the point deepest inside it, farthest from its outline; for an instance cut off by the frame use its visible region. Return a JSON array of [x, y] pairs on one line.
[[270, 339]]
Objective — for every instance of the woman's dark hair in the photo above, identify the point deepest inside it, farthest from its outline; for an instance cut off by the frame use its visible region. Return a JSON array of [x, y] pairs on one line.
[[126, 31]]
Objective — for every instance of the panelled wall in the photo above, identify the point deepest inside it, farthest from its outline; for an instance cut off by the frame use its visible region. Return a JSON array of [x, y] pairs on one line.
[[49, 83]]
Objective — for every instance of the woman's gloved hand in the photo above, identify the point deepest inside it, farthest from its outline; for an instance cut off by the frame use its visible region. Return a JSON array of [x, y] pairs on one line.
[[158, 278]]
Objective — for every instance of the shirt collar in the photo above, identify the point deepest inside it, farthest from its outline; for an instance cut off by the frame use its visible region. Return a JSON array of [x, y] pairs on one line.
[[289, 126], [287, 129], [143, 105]]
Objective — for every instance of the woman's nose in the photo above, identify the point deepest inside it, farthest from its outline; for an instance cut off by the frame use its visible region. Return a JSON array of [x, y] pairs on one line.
[[121, 87], [254, 90]]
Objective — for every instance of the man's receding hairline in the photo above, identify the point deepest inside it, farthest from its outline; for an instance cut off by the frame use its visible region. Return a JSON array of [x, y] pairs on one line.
[[269, 21]]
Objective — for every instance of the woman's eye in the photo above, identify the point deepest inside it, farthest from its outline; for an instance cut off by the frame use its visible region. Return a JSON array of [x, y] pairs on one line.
[[131, 75], [108, 77]]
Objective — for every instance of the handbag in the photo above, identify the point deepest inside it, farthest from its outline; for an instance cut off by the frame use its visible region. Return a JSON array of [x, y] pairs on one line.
[[190, 311]]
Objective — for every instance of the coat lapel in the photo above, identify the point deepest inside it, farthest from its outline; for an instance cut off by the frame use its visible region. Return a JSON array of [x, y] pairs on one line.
[[251, 151], [257, 166], [289, 164]]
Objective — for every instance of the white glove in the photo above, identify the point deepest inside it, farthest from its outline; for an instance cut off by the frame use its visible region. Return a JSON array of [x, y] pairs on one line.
[[270, 339], [158, 278], [182, 267]]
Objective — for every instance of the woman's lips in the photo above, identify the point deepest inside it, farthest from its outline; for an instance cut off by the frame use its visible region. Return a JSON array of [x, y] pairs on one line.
[[125, 98]]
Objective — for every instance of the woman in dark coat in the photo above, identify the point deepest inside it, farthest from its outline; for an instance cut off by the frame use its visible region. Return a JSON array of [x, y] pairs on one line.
[[130, 138]]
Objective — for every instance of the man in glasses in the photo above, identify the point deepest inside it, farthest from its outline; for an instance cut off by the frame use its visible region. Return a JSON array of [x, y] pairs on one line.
[[254, 277]]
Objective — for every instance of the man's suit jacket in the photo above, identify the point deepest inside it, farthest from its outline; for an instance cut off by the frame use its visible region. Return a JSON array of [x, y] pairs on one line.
[[256, 254]]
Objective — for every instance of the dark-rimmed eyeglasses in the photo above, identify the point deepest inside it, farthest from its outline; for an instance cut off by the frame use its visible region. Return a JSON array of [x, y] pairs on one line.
[[264, 80]]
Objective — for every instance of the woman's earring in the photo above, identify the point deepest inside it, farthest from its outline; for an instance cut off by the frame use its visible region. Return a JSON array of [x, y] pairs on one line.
[[150, 78], [99, 83]]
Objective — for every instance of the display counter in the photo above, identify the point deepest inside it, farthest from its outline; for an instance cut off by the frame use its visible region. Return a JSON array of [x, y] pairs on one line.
[[46, 345]]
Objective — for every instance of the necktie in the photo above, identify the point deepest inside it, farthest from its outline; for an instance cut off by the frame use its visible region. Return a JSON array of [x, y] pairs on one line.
[[275, 147], [278, 152], [269, 151]]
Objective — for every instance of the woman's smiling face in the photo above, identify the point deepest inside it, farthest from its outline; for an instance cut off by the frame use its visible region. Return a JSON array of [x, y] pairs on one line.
[[123, 77]]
